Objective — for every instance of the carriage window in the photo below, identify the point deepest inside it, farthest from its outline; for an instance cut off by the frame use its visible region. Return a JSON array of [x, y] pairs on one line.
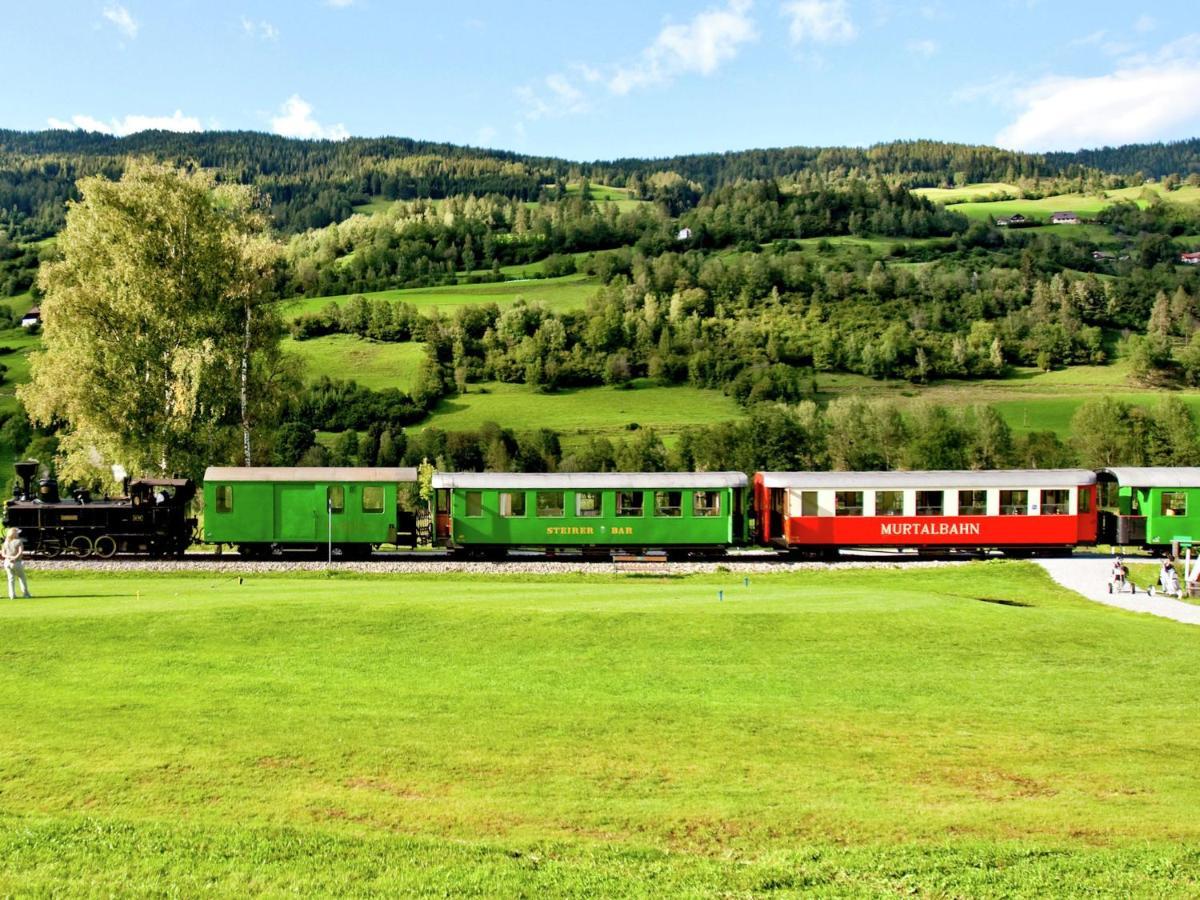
[[972, 503], [1056, 502], [1014, 503], [474, 503], [630, 503], [224, 498], [587, 503], [512, 505], [889, 503], [335, 497], [808, 504], [1174, 503], [668, 503], [706, 503], [549, 504], [372, 499], [1085, 500], [929, 503], [848, 503]]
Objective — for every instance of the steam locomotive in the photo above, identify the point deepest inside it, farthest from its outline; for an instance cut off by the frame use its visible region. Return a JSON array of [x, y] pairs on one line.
[[150, 518]]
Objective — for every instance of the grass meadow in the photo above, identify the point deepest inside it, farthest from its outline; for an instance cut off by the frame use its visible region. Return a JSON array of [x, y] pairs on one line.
[[962, 731], [568, 292], [585, 411], [372, 364], [971, 200]]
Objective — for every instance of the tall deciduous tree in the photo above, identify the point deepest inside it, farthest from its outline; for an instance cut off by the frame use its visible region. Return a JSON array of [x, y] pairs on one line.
[[159, 347]]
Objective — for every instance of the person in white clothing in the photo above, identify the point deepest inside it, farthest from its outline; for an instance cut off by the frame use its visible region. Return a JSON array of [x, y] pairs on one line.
[[14, 565]]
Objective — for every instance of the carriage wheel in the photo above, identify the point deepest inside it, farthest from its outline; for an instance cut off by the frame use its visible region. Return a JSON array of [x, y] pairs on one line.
[[51, 547], [105, 546], [81, 546]]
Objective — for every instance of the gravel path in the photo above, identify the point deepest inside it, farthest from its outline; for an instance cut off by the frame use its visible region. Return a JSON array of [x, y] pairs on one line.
[[1088, 575], [443, 566]]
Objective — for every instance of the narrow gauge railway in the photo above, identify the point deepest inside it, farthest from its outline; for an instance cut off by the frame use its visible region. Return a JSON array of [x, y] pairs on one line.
[[349, 513]]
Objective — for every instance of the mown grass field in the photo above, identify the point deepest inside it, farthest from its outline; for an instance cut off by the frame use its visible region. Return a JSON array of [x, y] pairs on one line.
[[947, 732], [566, 293], [586, 411], [372, 364]]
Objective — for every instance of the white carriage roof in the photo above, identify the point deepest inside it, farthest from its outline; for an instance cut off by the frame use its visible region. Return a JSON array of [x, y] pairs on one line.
[[583, 480], [996, 478], [309, 473], [1154, 476]]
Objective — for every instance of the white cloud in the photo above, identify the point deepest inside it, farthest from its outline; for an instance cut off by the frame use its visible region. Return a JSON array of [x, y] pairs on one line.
[[923, 48], [1129, 105], [557, 97], [485, 136], [131, 124], [260, 29], [119, 16], [700, 46], [295, 120], [1144, 24], [819, 21], [339, 4]]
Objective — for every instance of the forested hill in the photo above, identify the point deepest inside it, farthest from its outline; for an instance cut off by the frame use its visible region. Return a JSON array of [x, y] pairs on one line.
[[1152, 160], [314, 183]]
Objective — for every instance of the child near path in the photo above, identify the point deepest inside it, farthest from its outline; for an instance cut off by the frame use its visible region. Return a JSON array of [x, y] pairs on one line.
[[14, 565]]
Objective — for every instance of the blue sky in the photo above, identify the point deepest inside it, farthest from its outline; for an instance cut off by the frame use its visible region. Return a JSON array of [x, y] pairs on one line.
[[621, 78]]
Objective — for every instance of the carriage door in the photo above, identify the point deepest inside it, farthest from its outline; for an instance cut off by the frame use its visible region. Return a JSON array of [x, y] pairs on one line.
[[442, 523], [778, 506]]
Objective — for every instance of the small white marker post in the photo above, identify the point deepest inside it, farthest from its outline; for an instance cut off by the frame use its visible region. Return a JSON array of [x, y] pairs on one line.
[[329, 506]]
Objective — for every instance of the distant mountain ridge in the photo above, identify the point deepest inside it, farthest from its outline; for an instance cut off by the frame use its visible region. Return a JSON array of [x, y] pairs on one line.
[[315, 182], [976, 161]]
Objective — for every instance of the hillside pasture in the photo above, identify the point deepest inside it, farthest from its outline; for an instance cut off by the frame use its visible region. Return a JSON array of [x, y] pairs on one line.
[[1086, 205], [600, 411], [1029, 400], [372, 364], [963, 731], [978, 192], [569, 292]]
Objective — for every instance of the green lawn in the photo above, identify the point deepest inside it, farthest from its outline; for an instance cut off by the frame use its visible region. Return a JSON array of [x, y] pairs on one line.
[[952, 732], [372, 364], [566, 293], [601, 410]]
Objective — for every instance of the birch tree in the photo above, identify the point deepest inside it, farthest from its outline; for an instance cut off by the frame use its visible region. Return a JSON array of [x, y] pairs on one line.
[[160, 349]]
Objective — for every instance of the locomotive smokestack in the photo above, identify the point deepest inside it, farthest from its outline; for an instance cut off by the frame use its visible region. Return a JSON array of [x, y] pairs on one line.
[[25, 471]]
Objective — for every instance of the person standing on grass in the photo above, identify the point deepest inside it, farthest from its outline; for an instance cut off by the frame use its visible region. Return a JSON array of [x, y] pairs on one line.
[[14, 565]]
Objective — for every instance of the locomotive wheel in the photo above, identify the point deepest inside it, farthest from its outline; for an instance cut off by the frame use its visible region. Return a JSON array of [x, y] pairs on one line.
[[51, 548], [105, 546], [81, 546]]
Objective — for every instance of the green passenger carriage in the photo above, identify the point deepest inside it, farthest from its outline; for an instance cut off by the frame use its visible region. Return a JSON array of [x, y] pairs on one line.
[[494, 511], [1154, 507], [263, 510]]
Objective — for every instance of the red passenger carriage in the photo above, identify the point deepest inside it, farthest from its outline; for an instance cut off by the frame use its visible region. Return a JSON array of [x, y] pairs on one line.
[[1017, 510]]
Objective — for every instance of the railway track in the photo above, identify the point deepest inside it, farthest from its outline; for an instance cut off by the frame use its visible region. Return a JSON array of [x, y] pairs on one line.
[[433, 562]]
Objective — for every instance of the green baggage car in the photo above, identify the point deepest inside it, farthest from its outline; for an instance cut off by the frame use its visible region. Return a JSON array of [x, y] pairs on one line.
[[490, 512], [1156, 507], [267, 510]]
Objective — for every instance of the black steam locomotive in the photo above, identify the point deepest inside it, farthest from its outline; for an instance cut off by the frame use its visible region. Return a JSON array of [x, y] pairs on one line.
[[149, 519]]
